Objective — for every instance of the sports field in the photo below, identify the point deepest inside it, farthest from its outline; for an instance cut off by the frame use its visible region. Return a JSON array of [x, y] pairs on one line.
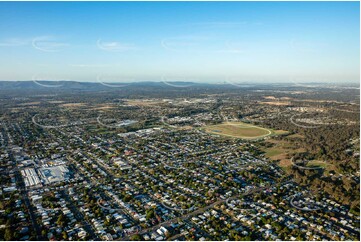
[[238, 130]]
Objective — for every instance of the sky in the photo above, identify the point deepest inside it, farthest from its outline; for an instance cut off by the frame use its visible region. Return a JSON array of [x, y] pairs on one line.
[[180, 41]]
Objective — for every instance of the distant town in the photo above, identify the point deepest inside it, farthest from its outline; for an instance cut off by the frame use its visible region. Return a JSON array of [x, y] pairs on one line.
[[206, 162]]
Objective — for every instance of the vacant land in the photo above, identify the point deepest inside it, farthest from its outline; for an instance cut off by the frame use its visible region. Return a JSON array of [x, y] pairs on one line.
[[55, 102], [279, 103], [317, 163], [30, 103], [72, 105], [238, 130], [142, 102], [102, 107], [271, 152], [282, 151]]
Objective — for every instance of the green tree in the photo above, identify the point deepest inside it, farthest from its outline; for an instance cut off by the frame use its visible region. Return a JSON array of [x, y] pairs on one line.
[[65, 235], [61, 220], [8, 234], [43, 233], [136, 237]]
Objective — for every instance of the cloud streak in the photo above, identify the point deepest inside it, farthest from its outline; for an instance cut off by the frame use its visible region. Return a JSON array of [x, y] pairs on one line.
[[115, 46], [14, 42], [48, 44]]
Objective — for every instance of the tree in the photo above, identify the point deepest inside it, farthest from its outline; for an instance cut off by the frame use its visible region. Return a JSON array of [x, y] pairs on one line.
[[106, 223], [65, 235], [149, 214], [61, 220], [8, 234], [136, 237], [43, 233]]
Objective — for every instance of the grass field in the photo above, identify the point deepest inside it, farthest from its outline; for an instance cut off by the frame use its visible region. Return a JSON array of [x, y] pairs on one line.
[[238, 130], [281, 150], [274, 152], [142, 102], [72, 105], [317, 163]]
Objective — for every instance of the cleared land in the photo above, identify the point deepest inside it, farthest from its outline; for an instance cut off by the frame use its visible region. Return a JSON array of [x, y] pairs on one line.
[[102, 107], [282, 151], [238, 130], [279, 103], [317, 163], [55, 101], [72, 104], [31, 103], [143, 102]]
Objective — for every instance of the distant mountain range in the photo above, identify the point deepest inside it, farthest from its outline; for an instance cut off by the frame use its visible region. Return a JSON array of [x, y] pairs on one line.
[[96, 86], [6, 85]]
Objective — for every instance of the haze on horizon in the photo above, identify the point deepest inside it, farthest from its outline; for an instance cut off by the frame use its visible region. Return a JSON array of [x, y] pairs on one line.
[[180, 41]]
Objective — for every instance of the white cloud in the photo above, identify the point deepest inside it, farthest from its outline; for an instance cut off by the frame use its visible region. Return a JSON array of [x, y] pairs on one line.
[[13, 42], [184, 43], [115, 46], [48, 44]]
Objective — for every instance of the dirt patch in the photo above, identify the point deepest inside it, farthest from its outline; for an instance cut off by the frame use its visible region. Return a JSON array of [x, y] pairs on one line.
[[55, 102], [140, 102], [276, 103], [102, 107], [72, 105], [29, 104], [281, 150], [269, 97], [285, 163], [296, 136]]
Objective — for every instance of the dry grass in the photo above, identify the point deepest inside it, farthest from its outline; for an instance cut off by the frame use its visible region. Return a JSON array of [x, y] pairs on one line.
[[282, 151], [139, 102], [72, 105], [269, 97], [55, 102], [278, 132], [28, 104], [103, 107], [297, 136], [187, 127], [277, 103]]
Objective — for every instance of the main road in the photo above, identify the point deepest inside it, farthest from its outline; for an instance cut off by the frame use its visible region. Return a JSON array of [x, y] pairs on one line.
[[201, 210]]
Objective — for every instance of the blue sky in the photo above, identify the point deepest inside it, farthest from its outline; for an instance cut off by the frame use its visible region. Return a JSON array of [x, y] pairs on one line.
[[190, 41]]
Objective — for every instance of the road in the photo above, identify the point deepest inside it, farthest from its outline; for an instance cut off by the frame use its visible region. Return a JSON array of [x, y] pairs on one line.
[[79, 216], [201, 210], [26, 199]]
